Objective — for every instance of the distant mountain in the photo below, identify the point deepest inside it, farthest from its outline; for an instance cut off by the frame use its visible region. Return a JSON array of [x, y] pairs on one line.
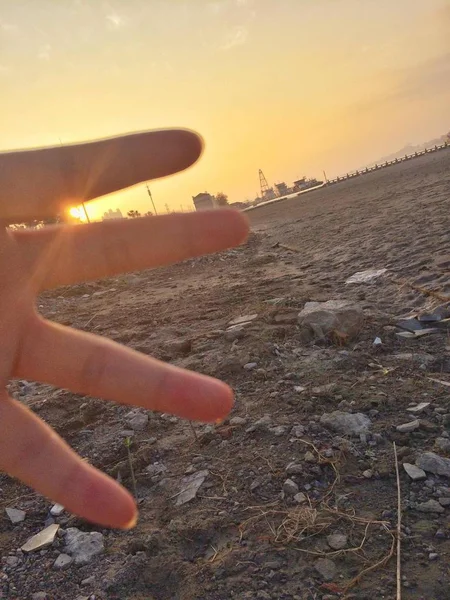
[[410, 149]]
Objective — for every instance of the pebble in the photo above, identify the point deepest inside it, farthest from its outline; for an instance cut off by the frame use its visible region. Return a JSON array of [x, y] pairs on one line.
[[12, 561], [367, 474], [63, 562], [408, 427], [337, 541], [433, 556], [250, 366], [39, 596], [290, 488], [238, 421], [83, 546], [444, 501], [294, 468], [414, 472], [137, 420], [326, 568], [433, 463], [41, 540], [430, 506], [57, 510], [310, 458], [298, 431], [15, 515], [346, 423], [443, 444], [278, 431], [300, 498], [89, 581]]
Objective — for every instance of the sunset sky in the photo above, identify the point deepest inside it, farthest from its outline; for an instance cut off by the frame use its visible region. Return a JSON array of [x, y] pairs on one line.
[[289, 86]]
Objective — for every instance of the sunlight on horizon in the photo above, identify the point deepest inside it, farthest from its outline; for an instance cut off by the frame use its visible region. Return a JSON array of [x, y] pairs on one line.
[[292, 88]]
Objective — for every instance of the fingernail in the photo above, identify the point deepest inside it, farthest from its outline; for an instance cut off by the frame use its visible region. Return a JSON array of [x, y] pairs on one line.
[[132, 523]]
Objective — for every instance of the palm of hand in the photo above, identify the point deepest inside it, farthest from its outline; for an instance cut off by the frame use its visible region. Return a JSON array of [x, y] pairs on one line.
[[36, 184]]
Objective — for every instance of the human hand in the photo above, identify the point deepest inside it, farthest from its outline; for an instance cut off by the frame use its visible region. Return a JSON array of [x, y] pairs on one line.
[[38, 184]]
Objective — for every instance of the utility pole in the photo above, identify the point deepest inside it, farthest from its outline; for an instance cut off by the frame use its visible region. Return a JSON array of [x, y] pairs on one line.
[[151, 198], [325, 177]]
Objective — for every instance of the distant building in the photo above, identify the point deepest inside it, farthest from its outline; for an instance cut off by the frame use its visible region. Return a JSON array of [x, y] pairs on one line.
[[112, 214], [204, 201], [282, 189]]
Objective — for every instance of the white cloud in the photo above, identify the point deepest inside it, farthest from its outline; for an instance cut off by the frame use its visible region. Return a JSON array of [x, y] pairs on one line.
[[237, 36]]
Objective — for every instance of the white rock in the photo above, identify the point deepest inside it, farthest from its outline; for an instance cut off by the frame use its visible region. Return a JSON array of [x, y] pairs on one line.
[[346, 423], [300, 498], [414, 472], [15, 515], [290, 488], [419, 407], [137, 420], [337, 541], [41, 540], [190, 486], [83, 546], [63, 562], [57, 510], [294, 468], [366, 276], [250, 366], [433, 463], [408, 427], [334, 316]]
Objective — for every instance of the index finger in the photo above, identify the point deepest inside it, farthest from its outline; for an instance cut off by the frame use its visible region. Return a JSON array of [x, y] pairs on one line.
[[42, 182]]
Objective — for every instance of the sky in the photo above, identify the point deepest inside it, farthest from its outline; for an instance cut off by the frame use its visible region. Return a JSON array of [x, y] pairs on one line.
[[292, 87]]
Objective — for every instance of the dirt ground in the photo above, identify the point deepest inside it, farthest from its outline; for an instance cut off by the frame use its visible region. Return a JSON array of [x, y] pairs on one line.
[[244, 535]]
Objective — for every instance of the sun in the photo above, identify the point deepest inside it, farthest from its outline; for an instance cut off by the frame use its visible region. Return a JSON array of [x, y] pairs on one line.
[[75, 212]]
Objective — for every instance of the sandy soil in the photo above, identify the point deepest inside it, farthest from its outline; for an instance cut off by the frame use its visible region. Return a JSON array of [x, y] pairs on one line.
[[239, 538]]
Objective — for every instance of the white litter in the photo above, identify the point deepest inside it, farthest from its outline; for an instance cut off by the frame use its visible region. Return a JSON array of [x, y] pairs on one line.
[[366, 276]]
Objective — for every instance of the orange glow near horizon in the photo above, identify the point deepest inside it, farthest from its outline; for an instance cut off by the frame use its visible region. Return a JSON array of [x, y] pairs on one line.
[[289, 87]]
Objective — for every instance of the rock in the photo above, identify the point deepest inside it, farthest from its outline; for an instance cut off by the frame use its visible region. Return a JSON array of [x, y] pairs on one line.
[[414, 472], [310, 457], [444, 501], [236, 421], [294, 468], [433, 463], [368, 474], [250, 366], [408, 427], [63, 562], [418, 408], [290, 488], [433, 556], [190, 486], [83, 546], [12, 561], [322, 319], [177, 347], [155, 469], [243, 320], [278, 431], [299, 389], [346, 423], [234, 333], [337, 541], [367, 276], [300, 498], [326, 568], [263, 422], [57, 510], [39, 596], [41, 540], [324, 390], [137, 420], [15, 515], [298, 431], [443, 444], [89, 581], [430, 506]]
